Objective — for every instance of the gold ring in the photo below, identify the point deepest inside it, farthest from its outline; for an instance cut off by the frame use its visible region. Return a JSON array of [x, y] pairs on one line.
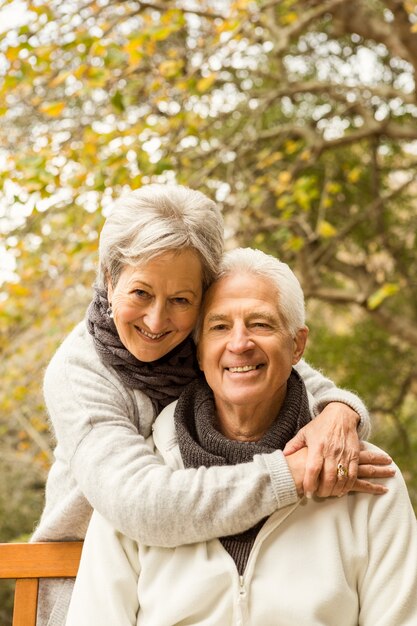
[[342, 471]]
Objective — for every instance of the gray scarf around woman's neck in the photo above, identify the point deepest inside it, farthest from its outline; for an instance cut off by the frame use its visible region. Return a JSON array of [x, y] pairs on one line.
[[162, 380], [201, 444]]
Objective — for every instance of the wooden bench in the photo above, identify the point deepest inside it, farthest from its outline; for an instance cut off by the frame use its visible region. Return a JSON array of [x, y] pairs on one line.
[[27, 563]]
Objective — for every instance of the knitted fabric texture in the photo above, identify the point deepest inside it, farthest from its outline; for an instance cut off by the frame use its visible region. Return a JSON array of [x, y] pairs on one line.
[[161, 380], [201, 444]]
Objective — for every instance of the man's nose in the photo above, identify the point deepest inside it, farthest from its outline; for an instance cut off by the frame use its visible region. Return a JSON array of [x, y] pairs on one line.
[[239, 339]]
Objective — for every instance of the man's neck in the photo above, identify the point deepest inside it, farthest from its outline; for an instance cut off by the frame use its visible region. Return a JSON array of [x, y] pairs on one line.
[[248, 422]]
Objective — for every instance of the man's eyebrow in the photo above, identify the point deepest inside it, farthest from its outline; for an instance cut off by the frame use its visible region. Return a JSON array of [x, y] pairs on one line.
[[215, 317], [266, 315]]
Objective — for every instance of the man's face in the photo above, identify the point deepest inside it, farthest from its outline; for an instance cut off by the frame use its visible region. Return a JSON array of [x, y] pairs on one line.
[[245, 350]]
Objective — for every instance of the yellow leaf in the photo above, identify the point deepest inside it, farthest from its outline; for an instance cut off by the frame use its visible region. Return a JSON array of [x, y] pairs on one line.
[[295, 244], [305, 155], [53, 109], [58, 80], [284, 178], [134, 50], [354, 175], [17, 289], [12, 53], [206, 82], [80, 71], [378, 297], [326, 230], [291, 146], [333, 188], [289, 18], [170, 69], [269, 159]]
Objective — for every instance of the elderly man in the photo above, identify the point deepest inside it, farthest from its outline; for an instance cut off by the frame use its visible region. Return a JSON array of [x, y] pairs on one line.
[[348, 561]]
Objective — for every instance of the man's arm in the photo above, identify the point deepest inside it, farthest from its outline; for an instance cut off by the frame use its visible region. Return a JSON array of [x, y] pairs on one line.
[[105, 591], [388, 583]]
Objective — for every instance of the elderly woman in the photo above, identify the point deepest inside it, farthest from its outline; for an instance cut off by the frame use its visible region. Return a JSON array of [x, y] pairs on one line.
[[132, 355], [318, 562]]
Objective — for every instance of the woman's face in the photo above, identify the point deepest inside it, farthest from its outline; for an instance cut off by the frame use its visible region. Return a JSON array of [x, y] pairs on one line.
[[156, 306]]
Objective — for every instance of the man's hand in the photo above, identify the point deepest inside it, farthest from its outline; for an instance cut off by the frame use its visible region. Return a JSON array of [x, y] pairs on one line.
[[373, 464]]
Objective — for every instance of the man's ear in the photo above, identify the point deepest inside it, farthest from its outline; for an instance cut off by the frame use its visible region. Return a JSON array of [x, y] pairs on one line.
[[300, 341]]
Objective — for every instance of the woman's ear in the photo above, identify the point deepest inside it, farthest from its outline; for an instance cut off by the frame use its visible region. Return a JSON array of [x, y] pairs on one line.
[[300, 341], [109, 289]]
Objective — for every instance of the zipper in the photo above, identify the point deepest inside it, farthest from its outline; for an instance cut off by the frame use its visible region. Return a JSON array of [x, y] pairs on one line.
[[242, 615]]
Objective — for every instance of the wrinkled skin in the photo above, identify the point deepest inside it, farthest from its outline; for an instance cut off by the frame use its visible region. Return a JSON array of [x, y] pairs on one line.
[[329, 439]]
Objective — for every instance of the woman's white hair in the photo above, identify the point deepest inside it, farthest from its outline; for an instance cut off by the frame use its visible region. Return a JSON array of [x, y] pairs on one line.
[[158, 218], [290, 296]]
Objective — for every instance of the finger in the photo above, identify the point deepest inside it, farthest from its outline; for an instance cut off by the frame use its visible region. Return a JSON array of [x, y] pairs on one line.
[[314, 464], [352, 473], [330, 484], [295, 444], [342, 474], [365, 486], [376, 471], [368, 457]]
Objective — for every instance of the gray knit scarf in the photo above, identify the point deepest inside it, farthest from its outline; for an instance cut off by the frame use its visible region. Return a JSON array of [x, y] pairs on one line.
[[201, 444], [161, 380]]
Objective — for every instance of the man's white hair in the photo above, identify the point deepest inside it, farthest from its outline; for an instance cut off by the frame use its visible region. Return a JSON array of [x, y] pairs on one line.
[[290, 296]]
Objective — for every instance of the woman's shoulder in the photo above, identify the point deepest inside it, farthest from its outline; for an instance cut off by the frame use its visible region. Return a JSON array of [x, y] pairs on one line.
[[76, 361], [78, 345]]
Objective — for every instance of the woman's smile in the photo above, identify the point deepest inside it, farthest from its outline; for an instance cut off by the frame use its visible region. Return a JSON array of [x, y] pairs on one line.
[[155, 306], [151, 336]]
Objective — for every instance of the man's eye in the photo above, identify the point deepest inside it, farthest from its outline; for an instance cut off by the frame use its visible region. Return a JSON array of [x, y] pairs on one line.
[[218, 327], [261, 325]]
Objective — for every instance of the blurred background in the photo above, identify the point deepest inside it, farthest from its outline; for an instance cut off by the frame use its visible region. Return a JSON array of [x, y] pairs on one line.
[[298, 117]]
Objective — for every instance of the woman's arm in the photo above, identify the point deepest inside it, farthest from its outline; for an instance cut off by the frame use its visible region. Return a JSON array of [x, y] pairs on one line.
[[103, 460], [332, 438], [324, 392]]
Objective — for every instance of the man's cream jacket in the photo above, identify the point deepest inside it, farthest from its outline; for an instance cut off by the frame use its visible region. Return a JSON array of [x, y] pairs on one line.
[[348, 561]]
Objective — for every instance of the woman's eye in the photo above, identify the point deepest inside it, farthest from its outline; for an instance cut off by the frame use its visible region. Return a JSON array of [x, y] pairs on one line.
[[180, 301], [141, 294]]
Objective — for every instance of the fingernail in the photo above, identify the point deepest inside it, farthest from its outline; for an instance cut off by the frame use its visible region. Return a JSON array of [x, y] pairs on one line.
[[309, 495]]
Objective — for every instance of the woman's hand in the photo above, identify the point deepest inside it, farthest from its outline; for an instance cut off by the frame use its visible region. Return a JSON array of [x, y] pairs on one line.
[[332, 441], [372, 464]]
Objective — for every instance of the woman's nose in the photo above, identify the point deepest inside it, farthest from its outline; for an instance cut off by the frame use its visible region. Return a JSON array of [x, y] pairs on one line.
[[155, 317]]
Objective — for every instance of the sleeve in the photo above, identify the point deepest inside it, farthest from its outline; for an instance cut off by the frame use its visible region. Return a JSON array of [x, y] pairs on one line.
[[120, 477], [105, 590], [325, 391], [388, 585]]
